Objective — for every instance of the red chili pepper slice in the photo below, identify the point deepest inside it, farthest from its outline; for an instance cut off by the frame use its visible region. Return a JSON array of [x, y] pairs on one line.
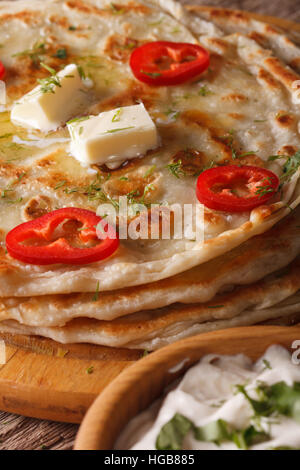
[[236, 188], [168, 63], [34, 242], [2, 70]]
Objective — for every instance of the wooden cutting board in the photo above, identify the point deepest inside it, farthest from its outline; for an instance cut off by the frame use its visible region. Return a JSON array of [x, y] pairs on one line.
[[47, 380]]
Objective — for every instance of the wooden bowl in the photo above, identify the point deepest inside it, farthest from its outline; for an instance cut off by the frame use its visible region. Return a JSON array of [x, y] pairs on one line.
[[140, 384]]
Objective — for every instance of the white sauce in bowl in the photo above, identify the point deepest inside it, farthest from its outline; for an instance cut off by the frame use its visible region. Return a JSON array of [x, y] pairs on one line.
[[208, 393]]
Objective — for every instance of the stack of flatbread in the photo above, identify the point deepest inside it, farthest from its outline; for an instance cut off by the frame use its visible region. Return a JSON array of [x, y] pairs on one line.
[[243, 110]]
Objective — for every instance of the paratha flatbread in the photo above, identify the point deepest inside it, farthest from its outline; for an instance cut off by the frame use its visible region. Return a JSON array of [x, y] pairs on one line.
[[252, 97], [244, 265], [277, 296]]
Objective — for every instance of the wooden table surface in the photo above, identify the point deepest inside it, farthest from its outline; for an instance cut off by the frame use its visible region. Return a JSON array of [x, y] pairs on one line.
[[19, 433]]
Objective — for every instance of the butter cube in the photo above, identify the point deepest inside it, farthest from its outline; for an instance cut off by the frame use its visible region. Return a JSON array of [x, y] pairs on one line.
[[113, 137], [53, 102]]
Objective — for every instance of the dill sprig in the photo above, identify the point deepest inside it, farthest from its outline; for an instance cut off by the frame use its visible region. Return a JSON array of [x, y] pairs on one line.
[[96, 295], [264, 188], [120, 129], [204, 91], [229, 141]]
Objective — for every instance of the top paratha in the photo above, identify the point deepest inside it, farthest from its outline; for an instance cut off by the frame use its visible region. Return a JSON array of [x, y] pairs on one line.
[[242, 104]]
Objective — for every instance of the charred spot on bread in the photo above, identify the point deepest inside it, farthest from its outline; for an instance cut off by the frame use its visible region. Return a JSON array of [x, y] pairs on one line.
[[37, 207], [119, 47]]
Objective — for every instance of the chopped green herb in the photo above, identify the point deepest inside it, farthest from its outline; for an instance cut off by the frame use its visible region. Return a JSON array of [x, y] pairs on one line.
[[278, 398], [5, 136], [81, 72], [132, 194], [147, 189], [61, 53], [284, 448], [60, 185], [11, 189], [112, 131], [36, 54], [176, 169], [246, 154], [150, 171], [116, 116], [151, 74], [48, 84], [215, 306], [47, 67], [206, 167], [291, 165], [173, 114], [244, 70], [94, 65], [248, 437], [218, 405], [72, 28], [90, 370], [5, 191], [124, 178], [289, 207], [204, 91], [229, 139], [12, 159], [156, 23], [116, 10], [145, 353], [172, 434], [79, 119], [265, 189], [260, 120]]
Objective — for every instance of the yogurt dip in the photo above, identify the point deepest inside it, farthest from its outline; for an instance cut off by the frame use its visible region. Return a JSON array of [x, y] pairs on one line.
[[225, 403]]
